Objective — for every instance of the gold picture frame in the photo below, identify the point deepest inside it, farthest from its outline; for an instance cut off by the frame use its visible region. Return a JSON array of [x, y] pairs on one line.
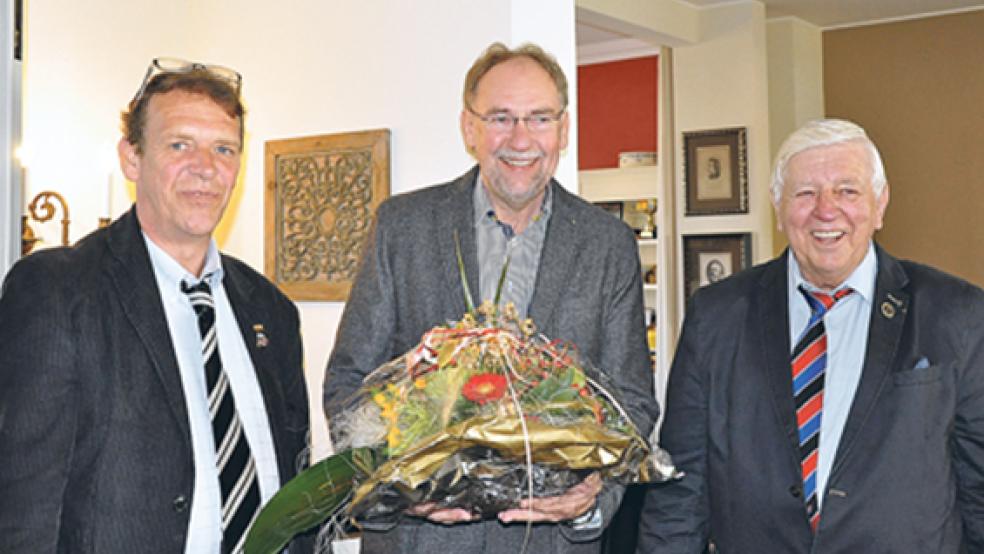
[[320, 199]]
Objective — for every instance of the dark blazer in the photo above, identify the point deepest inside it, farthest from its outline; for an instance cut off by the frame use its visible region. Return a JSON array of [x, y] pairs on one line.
[[908, 475], [588, 291], [95, 446]]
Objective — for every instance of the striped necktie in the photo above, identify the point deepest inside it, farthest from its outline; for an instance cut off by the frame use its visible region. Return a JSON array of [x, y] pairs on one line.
[[234, 460], [809, 362]]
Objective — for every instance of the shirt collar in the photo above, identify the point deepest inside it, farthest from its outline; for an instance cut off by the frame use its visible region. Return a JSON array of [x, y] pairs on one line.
[[174, 274], [485, 212], [862, 279]]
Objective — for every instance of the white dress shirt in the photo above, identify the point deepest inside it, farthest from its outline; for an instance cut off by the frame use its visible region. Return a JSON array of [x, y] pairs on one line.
[[846, 325], [205, 527]]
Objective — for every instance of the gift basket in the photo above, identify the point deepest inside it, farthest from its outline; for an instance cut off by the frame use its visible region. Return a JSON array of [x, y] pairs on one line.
[[481, 414]]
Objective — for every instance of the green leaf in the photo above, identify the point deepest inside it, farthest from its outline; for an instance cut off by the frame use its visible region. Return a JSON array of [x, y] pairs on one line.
[[469, 302], [502, 280], [308, 499]]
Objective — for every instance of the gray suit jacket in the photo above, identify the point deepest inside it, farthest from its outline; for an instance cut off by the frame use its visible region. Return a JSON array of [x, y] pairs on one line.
[[908, 475], [95, 446], [588, 291]]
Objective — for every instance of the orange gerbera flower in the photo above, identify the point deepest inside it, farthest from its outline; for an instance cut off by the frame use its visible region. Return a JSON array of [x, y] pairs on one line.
[[484, 387]]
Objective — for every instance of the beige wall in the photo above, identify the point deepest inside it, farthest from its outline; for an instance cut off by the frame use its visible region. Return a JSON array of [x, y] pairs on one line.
[[720, 82], [795, 54], [918, 88]]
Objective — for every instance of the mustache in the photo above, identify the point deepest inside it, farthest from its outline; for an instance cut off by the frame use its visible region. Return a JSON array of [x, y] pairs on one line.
[[526, 155]]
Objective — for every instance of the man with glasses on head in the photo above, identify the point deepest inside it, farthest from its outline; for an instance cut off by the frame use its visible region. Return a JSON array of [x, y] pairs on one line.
[[573, 269], [151, 390]]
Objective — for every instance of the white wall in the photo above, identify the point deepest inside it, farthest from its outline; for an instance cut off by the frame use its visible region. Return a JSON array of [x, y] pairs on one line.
[[309, 67], [721, 81], [83, 61]]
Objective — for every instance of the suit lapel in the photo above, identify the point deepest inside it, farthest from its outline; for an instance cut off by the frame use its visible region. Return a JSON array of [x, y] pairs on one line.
[[557, 258], [458, 208], [253, 328], [773, 329], [890, 306], [132, 275]]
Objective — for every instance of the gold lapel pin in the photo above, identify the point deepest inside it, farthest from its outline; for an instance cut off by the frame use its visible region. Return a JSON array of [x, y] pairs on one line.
[[261, 339], [888, 309]]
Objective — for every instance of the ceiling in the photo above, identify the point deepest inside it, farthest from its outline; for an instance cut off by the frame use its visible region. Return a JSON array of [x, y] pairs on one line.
[[822, 13]]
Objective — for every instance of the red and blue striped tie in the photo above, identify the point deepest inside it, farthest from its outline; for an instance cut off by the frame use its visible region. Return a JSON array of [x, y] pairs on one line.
[[809, 364]]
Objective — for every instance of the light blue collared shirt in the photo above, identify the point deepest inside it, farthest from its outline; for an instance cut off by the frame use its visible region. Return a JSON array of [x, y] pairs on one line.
[[496, 242], [205, 527], [846, 325]]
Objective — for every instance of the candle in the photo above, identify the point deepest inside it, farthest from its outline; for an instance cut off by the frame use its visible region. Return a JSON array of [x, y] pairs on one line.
[[109, 196]]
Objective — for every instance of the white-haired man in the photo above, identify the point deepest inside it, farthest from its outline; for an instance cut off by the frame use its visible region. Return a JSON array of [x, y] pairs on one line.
[[831, 400]]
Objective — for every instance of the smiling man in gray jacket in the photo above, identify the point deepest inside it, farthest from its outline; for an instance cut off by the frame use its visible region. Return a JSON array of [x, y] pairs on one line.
[[573, 269]]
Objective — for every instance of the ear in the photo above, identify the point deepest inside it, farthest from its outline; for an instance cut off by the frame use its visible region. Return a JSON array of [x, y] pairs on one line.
[[881, 204], [467, 131], [129, 159], [565, 125]]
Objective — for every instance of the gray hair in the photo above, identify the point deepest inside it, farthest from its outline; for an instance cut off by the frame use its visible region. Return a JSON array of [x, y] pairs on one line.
[[826, 132], [498, 53]]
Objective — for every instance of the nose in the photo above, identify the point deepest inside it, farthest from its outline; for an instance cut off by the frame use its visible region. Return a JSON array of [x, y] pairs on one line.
[[520, 138], [826, 206], [203, 163]]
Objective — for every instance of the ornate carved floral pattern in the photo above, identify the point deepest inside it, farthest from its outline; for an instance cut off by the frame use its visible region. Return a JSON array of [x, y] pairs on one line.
[[321, 195], [325, 213]]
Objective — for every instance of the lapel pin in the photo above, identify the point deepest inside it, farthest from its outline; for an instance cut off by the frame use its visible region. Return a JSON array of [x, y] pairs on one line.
[[261, 339], [888, 310]]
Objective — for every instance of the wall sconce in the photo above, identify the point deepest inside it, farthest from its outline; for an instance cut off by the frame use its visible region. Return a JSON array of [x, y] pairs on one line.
[[43, 202]]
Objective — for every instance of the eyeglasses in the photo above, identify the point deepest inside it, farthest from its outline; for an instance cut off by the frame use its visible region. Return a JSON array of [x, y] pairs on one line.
[[505, 122], [175, 65]]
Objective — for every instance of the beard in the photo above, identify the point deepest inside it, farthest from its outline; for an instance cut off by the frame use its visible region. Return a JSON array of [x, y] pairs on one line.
[[515, 195]]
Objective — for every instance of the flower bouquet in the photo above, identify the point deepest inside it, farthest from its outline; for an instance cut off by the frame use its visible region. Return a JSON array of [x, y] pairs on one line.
[[482, 413]]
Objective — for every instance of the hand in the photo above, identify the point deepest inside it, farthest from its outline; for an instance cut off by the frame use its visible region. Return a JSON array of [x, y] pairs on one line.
[[573, 503], [447, 516]]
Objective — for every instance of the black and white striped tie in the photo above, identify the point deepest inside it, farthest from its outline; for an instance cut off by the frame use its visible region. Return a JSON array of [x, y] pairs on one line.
[[234, 460]]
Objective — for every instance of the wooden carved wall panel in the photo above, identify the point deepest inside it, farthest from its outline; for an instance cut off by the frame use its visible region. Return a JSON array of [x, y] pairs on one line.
[[321, 195]]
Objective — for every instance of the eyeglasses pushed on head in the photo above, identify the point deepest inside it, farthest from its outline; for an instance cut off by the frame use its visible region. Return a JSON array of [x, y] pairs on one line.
[[175, 65]]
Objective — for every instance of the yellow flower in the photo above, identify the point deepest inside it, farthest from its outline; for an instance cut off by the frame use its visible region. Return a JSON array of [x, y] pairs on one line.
[[528, 327], [393, 437], [419, 382], [510, 311], [380, 398]]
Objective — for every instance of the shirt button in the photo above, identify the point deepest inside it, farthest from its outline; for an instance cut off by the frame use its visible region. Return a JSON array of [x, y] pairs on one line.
[[796, 491], [180, 503]]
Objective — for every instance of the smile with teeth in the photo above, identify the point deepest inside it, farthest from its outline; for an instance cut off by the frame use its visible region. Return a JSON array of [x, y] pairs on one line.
[[516, 159], [827, 235]]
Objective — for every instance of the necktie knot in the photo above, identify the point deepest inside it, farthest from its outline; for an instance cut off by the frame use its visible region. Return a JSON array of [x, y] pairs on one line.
[[201, 287], [820, 302], [200, 296]]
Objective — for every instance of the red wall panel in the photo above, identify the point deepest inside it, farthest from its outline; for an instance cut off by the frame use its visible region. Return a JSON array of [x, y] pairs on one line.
[[616, 110]]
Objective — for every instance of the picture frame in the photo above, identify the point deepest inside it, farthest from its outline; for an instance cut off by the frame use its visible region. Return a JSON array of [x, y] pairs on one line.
[[321, 196], [708, 259], [716, 171]]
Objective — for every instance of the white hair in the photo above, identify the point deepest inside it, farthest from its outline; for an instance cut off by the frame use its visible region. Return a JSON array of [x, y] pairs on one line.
[[826, 132]]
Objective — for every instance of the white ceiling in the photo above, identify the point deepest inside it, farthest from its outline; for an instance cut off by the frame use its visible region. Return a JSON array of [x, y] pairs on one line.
[[822, 13], [836, 13]]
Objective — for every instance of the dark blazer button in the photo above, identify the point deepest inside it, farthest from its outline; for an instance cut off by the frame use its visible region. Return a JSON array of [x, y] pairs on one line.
[[180, 503], [796, 491]]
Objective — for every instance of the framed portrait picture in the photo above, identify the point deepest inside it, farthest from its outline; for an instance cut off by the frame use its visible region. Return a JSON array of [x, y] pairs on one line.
[[708, 259], [321, 197], [716, 170]]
